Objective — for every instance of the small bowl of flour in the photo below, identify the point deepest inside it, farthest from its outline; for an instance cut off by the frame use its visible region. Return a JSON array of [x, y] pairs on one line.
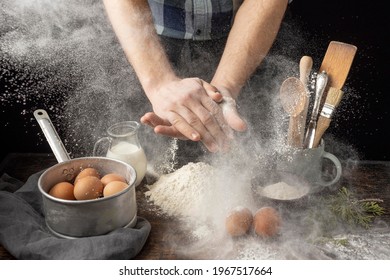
[[280, 187]]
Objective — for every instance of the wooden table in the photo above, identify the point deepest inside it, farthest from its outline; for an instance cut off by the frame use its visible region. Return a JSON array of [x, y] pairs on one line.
[[368, 178]]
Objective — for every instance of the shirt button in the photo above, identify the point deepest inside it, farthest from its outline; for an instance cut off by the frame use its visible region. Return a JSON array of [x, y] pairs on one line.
[[198, 32]]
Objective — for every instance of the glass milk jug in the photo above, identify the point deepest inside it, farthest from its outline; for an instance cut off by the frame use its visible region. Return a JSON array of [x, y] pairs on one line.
[[123, 144]]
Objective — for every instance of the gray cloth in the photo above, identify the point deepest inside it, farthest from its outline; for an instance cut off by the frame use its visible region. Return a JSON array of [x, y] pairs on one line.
[[24, 234]]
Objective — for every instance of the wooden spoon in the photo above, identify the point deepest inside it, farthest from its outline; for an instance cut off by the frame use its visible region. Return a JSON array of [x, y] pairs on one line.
[[305, 67], [293, 98]]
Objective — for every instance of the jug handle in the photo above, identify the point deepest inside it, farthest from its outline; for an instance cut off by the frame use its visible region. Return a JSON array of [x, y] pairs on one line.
[[98, 144]]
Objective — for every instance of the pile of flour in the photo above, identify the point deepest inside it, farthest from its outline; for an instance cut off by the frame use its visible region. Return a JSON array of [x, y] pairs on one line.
[[184, 192], [200, 193]]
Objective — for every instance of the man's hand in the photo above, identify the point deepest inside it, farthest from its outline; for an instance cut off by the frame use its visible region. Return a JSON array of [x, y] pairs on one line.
[[185, 109], [227, 106]]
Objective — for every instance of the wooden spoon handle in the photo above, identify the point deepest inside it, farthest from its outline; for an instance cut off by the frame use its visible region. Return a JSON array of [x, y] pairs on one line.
[[305, 66], [294, 137]]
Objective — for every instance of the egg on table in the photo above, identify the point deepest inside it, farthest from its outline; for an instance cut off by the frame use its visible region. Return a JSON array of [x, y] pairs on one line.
[[266, 222], [239, 221], [114, 187], [63, 190], [89, 187]]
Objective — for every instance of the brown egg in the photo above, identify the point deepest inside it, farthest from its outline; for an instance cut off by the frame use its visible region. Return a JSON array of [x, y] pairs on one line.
[[114, 187], [112, 177], [239, 221], [63, 190], [266, 222], [89, 171], [89, 187]]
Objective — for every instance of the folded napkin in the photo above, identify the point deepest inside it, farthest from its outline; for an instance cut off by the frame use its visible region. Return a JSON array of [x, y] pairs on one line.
[[24, 234]]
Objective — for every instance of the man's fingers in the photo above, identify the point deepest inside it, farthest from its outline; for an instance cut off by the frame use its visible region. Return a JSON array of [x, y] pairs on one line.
[[179, 127], [212, 91], [152, 120], [231, 114], [169, 131], [160, 126], [219, 128], [191, 126], [203, 119]]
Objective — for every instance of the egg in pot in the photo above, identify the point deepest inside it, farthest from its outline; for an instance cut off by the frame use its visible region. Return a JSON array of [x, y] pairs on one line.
[[89, 171], [239, 221], [114, 187], [112, 177], [266, 222], [89, 187], [63, 190]]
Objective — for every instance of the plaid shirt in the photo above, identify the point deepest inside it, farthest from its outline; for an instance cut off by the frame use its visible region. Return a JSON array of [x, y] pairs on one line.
[[194, 19]]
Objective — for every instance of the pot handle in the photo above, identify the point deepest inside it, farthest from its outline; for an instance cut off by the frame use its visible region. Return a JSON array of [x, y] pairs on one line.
[[51, 135]]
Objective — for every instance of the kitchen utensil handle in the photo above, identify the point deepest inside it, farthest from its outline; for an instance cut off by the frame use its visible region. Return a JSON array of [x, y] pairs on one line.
[[322, 126], [294, 137], [321, 82], [302, 124], [332, 101], [310, 133], [51, 135], [305, 67]]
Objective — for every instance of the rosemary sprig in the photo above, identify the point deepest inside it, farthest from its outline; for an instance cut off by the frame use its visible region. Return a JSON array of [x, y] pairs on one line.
[[342, 210], [353, 211], [336, 241]]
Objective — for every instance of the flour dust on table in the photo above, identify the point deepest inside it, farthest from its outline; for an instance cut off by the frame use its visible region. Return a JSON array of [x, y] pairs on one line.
[[200, 195]]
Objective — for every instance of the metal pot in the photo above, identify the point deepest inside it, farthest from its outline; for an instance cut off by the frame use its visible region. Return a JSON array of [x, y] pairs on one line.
[[83, 218]]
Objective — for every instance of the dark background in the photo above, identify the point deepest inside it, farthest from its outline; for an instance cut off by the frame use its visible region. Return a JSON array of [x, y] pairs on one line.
[[363, 116]]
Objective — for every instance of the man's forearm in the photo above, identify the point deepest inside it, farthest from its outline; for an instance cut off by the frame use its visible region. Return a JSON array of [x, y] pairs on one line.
[[255, 27], [133, 24]]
